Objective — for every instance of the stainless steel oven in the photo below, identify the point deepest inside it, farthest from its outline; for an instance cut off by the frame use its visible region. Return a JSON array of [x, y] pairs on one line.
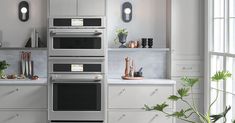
[[76, 89], [76, 37]]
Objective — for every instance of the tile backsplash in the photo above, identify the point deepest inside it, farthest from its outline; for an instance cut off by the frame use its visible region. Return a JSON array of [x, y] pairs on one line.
[[13, 58], [154, 63]]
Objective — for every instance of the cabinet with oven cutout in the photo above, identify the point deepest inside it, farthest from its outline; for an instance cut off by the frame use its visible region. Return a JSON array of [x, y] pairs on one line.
[[72, 8]]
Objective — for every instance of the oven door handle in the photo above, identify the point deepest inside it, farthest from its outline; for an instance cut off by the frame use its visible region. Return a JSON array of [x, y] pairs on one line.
[[77, 78], [95, 33]]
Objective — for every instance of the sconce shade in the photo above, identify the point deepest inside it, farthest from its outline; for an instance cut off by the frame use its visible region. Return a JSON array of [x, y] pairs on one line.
[[126, 12], [23, 11]]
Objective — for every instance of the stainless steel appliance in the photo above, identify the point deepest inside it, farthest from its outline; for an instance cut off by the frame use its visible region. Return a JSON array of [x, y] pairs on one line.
[[76, 89], [76, 70], [76, 37]]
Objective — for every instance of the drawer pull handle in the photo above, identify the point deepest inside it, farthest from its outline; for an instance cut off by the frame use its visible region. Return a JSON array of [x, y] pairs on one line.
[[13, 91], [13, 117], [122, 91], [154, 92], [121, 117], [187, 68], [153, 118]]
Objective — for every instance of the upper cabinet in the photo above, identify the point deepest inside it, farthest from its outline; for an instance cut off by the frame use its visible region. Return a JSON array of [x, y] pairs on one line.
[[187, 41], [91, 7], [71, 8]]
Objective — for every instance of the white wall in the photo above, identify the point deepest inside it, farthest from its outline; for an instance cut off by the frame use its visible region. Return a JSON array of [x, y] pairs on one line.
[[149, 20], [15, 33]]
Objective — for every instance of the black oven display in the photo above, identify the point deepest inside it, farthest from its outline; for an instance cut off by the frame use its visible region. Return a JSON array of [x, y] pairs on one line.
[[77, 68], [77, 97], [77, 43]]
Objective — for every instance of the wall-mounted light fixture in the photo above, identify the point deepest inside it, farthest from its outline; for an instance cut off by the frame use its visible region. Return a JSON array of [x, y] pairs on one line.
[[126, 12], [23, 11]]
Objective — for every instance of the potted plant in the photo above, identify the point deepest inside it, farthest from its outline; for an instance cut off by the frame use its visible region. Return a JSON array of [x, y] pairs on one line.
[[121, 36], [3, 66], [185, 113]]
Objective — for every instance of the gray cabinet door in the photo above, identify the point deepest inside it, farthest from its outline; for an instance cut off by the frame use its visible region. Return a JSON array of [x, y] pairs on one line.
[[91, 7], [63, 8]]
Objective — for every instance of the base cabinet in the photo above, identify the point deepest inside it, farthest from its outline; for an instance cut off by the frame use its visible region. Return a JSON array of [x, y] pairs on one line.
[[17, 116], [23, 103], [137, 117], [126, 101]]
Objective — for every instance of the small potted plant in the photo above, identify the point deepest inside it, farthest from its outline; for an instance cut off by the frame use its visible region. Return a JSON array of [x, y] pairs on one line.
[[121, 36], [3, 66]]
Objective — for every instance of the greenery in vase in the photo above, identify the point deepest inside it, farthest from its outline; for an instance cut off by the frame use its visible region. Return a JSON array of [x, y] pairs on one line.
[[119, 32], [187, 113], [3, 66]]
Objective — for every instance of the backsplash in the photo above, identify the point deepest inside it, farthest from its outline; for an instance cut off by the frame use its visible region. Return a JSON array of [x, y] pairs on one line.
[[154, 63], [13, 58]]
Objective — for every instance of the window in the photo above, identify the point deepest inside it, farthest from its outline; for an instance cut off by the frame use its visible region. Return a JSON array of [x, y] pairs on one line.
[[222, 53]]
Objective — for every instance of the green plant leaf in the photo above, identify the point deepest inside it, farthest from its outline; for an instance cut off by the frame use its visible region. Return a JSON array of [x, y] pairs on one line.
[[3, 65], [147, 108], [178, 114], [221, 75], [160, 107], [189, 82], [183, 92], [173, 98], [216, 117]]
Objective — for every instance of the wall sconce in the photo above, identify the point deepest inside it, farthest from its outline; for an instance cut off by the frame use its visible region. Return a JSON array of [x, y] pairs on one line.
[[23, 11], [126, 12]]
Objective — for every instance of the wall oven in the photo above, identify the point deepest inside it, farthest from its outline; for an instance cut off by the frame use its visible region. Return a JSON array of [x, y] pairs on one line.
[[76, 89], [76, 37]]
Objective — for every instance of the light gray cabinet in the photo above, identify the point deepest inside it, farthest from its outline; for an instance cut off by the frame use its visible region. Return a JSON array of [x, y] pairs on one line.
[[23, 103], [63, 7], [71, 8], [126, 101], [16, 116], [91, 7]]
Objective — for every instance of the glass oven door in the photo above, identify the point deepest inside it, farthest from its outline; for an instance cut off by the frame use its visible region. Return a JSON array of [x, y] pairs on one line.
[[76, 42], [77, 97]]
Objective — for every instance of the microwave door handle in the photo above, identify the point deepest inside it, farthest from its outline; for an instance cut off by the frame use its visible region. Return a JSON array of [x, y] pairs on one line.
[[75, 33]]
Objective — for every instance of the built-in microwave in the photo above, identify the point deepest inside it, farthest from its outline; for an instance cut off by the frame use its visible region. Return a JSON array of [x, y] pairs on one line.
[[76, 37]]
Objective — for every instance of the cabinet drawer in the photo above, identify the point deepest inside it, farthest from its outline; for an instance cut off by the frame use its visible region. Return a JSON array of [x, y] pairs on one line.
[[23, 97], [138, 117], [23, 116], [135, 96], [187, 68]]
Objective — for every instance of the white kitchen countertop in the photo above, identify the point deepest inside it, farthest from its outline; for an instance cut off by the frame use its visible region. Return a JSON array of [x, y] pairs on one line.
[[144, 81], [40, 81]]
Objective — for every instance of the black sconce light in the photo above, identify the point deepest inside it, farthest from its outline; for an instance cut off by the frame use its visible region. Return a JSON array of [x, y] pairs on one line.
[[126, 12], [23, 11]]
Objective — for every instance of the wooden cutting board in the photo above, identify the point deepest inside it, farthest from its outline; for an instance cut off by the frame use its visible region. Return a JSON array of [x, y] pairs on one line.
[[132, 78]]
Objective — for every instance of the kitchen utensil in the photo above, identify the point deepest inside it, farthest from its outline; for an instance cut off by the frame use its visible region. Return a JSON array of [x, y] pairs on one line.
[[127, 68], [22, 63], [30, 64], [144, 42], [150, 42], [26, 65]]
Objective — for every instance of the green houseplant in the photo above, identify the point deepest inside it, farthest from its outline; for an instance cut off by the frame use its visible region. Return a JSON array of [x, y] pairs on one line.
[[3, 66], [121, 37], [185, 114]]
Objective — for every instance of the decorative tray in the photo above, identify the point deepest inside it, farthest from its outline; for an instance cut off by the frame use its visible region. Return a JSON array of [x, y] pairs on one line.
[[132, 78]]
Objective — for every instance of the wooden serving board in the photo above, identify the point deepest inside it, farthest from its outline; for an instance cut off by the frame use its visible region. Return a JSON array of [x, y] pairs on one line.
[[132, 78]]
